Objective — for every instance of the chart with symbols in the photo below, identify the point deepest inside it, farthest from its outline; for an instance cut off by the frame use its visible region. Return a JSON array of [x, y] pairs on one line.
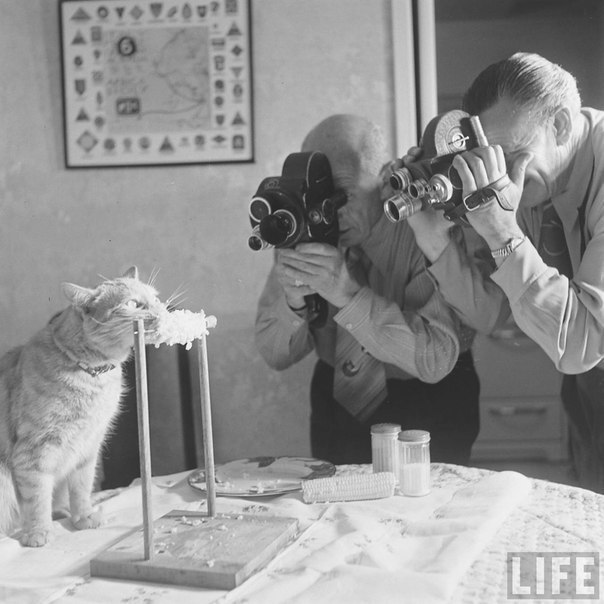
[[156, 83]]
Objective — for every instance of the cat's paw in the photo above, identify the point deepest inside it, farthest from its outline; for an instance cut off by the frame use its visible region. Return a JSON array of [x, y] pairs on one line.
[[34, 538], [92, 520]]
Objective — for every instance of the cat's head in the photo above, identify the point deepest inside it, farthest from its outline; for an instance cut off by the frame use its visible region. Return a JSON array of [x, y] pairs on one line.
[[109, 310]]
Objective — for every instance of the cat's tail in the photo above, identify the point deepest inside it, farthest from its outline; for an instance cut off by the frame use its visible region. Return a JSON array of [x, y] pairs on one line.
[[9, 508]]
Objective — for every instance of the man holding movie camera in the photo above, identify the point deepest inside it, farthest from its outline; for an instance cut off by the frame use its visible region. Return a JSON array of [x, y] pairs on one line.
[[544, 225], [389, 349]]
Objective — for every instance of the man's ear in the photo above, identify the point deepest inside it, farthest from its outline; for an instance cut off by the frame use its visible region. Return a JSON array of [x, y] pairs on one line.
[[563, 125], [78, 296]]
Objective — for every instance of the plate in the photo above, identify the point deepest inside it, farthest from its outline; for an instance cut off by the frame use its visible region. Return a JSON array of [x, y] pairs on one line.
[[262, 476]]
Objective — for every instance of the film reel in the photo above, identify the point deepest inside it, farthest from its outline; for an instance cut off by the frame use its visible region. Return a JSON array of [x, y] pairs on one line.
[[452, 133], [448, 133]]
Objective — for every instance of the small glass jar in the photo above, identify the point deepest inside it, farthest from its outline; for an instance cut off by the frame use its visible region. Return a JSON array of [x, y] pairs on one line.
[[414, 462], [384, 447]]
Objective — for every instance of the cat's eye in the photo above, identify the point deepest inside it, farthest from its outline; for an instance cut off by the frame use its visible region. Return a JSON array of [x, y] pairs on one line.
[[133, 304]]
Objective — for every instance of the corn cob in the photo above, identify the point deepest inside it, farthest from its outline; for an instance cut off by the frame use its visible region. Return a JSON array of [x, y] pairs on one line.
[[352, 487]]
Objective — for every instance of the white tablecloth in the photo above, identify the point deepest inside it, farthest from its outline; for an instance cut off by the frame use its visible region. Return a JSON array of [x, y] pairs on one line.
[[451, 545]]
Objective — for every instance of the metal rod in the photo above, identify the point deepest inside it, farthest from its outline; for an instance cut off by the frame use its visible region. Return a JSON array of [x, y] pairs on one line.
[[481, 137], [206, 421], [144, 441]]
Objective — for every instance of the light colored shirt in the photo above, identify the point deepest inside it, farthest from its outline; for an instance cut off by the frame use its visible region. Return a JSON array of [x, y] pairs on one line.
[[462, 274], [398, 316], [565, 317]]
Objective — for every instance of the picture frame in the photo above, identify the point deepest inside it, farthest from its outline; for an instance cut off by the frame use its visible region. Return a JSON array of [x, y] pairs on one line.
[[150, 83]]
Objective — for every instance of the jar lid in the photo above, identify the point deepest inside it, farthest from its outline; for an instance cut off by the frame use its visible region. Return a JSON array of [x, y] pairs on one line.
[[385, 429], [414, 436]]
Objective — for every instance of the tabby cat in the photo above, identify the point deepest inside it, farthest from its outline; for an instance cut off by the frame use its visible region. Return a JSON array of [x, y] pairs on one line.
[[58, 396]]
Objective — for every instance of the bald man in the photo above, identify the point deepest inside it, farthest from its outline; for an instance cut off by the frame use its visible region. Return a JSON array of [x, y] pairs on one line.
[[391, 350]]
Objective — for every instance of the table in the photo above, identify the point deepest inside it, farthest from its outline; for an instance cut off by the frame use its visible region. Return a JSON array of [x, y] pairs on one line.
[[366, 556]]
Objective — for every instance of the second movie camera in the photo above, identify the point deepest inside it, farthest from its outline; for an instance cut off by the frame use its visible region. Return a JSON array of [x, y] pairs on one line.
[[298, 206]]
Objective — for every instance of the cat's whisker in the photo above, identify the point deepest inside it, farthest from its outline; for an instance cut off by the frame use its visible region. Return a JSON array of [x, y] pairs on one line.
[[153, 276], [177, 296]]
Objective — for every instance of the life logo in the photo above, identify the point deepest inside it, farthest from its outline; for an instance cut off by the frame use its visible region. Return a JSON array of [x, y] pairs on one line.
[[553, 576]]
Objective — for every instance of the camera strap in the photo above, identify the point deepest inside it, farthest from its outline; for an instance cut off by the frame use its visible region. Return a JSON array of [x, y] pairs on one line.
[[494, 191], [318, 310]]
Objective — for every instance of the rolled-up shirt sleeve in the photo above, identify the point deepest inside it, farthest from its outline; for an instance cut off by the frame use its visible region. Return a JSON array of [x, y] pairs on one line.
[[565, 317], [422, 342], [282, 337], [462, 275]]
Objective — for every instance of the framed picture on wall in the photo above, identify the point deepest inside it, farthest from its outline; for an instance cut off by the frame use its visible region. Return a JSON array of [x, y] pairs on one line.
[[155, 83]]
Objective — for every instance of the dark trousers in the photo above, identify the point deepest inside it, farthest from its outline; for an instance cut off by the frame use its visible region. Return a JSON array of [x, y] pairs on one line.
[[447, 409], [583, 399]]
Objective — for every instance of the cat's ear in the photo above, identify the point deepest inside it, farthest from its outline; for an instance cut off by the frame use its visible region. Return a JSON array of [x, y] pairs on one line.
[[77, 295], [132, 273]]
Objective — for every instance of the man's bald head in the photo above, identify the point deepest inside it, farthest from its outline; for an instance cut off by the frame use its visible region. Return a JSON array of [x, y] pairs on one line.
[[349, 141]]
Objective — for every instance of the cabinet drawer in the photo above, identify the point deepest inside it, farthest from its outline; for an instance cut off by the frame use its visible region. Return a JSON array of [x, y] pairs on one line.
[[515, 419]]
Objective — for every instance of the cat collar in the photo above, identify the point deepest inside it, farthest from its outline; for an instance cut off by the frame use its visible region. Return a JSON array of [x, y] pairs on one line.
[[95, 371]]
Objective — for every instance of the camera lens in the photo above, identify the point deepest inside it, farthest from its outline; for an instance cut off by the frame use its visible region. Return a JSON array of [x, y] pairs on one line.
[[278, 227], [401, 206], [259, 208], [417, 188], [400, 179], [255, 241]]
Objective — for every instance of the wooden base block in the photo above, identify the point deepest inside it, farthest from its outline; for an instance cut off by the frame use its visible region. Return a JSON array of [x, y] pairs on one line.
[[191, 548]]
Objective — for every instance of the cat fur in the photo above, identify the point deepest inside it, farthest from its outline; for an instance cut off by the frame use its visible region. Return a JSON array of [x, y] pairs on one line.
[[55, 413]]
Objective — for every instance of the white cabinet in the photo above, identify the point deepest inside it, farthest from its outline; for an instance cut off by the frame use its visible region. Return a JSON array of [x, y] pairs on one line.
[[521, 414]]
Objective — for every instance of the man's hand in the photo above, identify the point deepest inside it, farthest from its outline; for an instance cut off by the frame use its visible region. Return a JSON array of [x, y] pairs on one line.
[[431, 230], [480, 168], [289, 278], [318, 268]]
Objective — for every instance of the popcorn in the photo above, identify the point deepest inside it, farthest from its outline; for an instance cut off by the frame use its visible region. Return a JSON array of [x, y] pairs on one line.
[[181, 327]]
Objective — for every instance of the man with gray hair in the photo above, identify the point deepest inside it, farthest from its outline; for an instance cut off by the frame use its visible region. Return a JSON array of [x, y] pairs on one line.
[[388, 352], [543, 175]]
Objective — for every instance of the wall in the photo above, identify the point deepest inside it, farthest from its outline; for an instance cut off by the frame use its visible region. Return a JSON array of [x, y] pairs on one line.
[[471, 34], [311, 58]]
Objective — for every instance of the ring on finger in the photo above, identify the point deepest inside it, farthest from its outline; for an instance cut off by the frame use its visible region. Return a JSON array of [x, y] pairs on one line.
[[298, 283]]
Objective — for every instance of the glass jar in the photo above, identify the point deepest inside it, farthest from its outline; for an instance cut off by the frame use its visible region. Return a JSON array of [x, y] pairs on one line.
[[414, 462], [384, 447]]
